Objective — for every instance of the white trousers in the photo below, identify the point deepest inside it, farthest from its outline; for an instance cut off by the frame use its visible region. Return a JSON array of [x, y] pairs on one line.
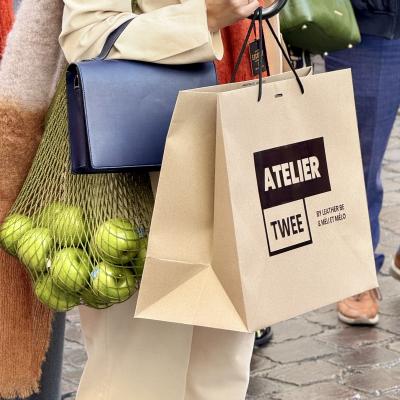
[[133, 359]]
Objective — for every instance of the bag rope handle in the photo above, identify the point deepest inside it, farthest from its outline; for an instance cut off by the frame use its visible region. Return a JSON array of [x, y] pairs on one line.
[[259, 15]]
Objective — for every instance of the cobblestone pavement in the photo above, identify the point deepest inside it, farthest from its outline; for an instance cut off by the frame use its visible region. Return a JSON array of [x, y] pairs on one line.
[[315, 357]]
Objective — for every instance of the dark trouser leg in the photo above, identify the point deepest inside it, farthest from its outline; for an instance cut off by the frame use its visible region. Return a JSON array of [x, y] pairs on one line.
[[375, 65], [52, 368]]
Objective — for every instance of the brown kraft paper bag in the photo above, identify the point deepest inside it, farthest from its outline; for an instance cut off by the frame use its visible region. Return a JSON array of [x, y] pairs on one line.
[[261, 212]]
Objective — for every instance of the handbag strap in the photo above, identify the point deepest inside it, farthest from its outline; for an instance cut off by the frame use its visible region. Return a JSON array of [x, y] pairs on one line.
[[112, 38]]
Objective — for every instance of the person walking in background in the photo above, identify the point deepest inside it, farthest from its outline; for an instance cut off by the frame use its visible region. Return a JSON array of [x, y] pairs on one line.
[[375, 65]]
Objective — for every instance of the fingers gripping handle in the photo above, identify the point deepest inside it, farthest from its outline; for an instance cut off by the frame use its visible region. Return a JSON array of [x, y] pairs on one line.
[[272, 10]]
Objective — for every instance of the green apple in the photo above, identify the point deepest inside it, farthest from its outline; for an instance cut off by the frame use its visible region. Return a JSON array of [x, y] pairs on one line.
[[12, 229], [141, 256], [116, 241], [33, 249], [93, 251], [139, 261], [91, 300], [143, 242], [54, 297], [112, 283], [70, 269], [48, 213], [66, 222]]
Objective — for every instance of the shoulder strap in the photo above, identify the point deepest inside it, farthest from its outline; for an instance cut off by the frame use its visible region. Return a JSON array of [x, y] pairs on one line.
[[112, 38]]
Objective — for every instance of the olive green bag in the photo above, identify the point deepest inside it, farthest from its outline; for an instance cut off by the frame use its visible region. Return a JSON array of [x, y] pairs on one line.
[[319, 26], [82, 238]]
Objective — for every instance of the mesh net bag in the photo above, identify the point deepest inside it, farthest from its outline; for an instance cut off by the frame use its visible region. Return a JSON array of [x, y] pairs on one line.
[[83, 238]]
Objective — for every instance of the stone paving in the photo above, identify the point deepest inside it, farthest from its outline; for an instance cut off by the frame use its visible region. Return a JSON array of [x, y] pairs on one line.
[[315, 357]]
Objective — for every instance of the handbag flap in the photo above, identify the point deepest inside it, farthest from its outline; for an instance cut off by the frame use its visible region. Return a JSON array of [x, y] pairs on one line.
[[127, 108]]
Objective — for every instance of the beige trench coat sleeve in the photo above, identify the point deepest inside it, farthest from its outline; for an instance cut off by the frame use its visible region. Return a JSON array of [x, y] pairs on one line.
[[163, 31]]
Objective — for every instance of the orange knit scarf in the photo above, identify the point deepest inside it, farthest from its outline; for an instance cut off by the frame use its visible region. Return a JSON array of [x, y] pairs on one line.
[[233, 37], [6, 20]]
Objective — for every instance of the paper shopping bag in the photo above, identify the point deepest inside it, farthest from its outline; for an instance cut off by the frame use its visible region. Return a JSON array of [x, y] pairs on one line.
[[261, 211]]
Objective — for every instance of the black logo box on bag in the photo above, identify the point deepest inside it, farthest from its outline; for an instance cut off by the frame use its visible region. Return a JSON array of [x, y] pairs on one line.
[[286, 176]]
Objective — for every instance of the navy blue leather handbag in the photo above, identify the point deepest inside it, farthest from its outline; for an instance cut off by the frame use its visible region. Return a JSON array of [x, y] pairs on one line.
[[119, 111]]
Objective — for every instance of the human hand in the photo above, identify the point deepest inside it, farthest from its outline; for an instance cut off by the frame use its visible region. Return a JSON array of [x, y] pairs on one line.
[[222, 13]]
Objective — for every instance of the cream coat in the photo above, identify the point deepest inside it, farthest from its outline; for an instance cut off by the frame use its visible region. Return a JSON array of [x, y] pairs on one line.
[[139, 359], [164, 31]]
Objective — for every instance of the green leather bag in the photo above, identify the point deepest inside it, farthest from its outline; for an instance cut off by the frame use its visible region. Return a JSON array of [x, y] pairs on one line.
[[319, 26]]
